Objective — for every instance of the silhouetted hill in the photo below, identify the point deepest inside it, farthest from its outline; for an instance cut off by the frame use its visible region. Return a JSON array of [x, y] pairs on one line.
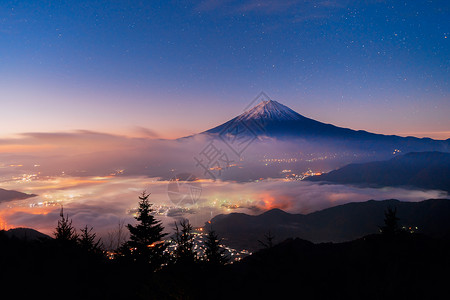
[[335, 224], [8, 195], [409, 266], [377, 266], [428, 170], [26, 234]]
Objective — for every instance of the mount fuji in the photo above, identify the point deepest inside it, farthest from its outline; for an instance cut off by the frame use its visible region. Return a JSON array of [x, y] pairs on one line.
[[271, 120]]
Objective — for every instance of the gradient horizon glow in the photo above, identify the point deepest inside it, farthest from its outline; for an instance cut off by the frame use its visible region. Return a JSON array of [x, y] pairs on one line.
[[173, 68]]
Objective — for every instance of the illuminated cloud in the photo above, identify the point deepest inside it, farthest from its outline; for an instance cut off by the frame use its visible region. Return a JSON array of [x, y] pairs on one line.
[[104, 203]]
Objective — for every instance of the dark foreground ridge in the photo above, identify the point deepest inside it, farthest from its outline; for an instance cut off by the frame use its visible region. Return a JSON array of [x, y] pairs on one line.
[[406, 266], [396, 263], [336, 224], [411, 266]]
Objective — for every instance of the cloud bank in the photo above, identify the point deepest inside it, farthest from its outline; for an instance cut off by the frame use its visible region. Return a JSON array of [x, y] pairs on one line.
[[106, 202]]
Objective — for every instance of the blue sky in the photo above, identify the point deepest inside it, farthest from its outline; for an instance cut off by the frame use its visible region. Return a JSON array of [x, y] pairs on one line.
[[179, 67]]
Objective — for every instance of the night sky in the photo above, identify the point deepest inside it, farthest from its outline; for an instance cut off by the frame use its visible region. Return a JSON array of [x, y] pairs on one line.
[[173, 68]]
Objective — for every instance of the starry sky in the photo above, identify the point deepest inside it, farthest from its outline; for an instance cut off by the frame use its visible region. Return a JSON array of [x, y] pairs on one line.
[[172, 68]]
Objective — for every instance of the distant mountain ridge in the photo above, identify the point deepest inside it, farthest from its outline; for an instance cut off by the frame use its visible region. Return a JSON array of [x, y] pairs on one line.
[[428, 170], [9, 195], [336, 224], [27, 234]]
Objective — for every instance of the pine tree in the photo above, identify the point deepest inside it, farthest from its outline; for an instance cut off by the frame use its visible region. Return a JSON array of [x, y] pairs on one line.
[[215, 255], [87, 241], [65, 233], [184, 239], [391, 226], [146, 243]]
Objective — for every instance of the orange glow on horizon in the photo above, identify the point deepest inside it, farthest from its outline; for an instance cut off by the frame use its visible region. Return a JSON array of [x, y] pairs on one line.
[[70, 182], [5, 213], [270, 202]]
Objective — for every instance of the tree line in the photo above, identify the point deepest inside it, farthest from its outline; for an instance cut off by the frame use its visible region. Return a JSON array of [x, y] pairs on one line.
[[146, 246], [75, 265], [147, 264]]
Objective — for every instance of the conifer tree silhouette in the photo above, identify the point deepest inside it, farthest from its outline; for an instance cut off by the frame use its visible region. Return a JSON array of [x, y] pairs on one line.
[[184, 239], [391, 226], [215, 254], [146, 243], [65, 233], [87, 240]]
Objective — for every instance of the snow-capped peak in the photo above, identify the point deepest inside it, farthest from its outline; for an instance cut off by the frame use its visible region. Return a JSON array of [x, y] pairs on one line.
[[270, 110]]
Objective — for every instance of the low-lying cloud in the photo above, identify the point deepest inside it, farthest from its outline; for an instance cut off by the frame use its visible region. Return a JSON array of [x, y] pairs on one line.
[[110, 201]]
